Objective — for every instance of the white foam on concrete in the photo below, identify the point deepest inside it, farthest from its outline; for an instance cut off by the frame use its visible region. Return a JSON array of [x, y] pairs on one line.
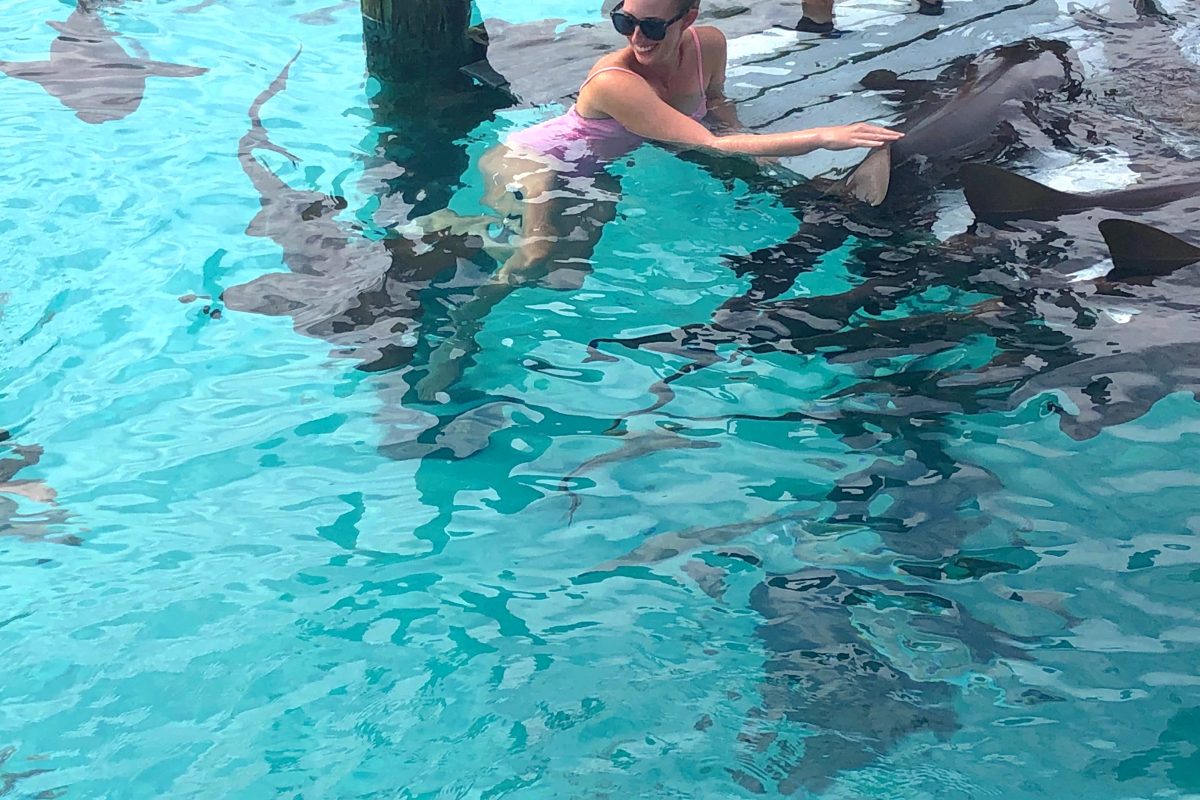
[[1060, 171], [750, 69], [1188, 40], [1121, 316], [861, 17], [756, 45]]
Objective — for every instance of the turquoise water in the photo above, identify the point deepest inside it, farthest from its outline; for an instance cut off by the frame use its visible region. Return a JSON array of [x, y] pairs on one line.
[[262, 603]]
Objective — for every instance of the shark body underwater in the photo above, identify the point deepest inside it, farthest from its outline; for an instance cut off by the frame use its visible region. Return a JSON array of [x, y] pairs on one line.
[[946, 126], [821, 674], [372, 299], [90, 72], [893, 265], [1138, 250], [969, 111]]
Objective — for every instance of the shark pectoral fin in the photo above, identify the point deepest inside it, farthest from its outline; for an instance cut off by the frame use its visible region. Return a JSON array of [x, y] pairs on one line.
[[94, 29], [161, 69], [870, 180], [25, 70], [1142, 251], [996, 194]]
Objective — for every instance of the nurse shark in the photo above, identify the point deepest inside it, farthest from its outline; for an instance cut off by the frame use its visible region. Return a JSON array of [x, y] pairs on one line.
[[821, 673], [90, 72], [1138, 250], [947, 126], [43, 526], [361, 292]]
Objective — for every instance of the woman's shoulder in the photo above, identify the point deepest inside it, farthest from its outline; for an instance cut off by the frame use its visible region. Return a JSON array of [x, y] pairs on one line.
[[617, 58], [710, 37], [713, 46]]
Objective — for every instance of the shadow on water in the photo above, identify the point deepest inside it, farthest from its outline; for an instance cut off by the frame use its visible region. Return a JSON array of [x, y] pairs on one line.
[[422, 122]]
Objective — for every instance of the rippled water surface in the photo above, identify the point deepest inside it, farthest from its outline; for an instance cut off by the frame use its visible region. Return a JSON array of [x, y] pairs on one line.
[[922, 524]]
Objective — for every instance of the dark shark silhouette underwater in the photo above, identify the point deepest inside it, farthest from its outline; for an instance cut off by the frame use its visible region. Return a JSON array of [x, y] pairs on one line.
[[1138, 250], [43, 526], [822, 674], [977, 106], [90, 72]]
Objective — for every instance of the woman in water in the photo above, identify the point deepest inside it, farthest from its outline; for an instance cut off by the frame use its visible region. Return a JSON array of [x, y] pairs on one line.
[[551, 177]]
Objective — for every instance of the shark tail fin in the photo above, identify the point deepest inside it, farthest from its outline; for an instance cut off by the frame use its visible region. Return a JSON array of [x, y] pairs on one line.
[[1142, 251], [870, 180], [257, 137], [994, 193]]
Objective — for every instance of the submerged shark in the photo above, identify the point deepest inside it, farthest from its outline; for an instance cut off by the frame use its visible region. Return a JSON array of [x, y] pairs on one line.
[[1138, 250], [946, 126], [91, 73], [361, 293], [846, 701], [343, 286], [822, 674], [1150, 80], [30, 527]]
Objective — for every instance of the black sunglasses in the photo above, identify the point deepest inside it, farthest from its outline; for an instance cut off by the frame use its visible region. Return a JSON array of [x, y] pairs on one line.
[[653, 28]]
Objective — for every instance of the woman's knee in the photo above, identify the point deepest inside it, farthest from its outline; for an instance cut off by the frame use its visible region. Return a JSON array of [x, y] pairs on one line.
[[539, 251]]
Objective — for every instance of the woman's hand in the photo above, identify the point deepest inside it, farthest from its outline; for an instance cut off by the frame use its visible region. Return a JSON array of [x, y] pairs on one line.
[[860, 134]]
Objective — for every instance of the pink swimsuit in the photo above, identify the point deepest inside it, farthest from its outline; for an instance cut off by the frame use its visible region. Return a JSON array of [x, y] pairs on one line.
[[583, 143]]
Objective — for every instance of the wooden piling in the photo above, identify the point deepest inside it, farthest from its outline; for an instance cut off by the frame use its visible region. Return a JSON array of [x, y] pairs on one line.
[[410, 39]]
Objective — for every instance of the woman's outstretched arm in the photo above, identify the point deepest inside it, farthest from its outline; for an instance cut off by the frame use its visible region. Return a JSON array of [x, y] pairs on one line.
[[630, 100]]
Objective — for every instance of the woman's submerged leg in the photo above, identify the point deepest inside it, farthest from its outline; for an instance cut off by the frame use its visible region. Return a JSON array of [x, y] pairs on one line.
[[562, 218]]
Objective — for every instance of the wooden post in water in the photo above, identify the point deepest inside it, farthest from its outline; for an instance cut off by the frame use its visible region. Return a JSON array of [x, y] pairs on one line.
[[416, 39], [422, 102]]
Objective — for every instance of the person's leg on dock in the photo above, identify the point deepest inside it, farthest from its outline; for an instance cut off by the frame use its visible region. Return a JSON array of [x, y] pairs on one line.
[[818, 17]]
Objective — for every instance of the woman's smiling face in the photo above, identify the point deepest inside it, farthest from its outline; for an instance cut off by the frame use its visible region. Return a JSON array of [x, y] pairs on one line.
[[646, 50]]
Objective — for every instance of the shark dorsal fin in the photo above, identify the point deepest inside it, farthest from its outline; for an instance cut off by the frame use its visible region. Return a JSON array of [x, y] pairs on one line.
[[1139, 250], [870, 180], [994, 193]]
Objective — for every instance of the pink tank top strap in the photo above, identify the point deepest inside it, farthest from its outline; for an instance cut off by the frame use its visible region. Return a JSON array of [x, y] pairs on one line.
[[604, 69], [699, 61]]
